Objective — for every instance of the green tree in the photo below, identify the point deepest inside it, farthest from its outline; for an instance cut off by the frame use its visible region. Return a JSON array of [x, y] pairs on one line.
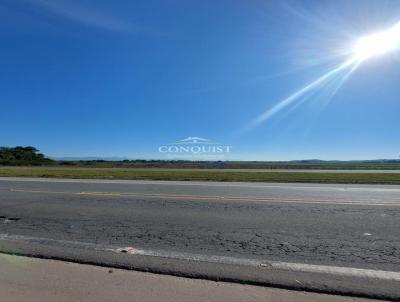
[[22, 156]]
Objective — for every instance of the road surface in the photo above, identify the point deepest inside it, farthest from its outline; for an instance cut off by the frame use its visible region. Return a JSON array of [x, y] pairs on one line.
[[352, 229]]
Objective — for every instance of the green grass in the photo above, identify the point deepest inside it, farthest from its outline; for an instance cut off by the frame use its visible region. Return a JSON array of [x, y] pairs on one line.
[[355, 178], [230, 165], [350, 165]]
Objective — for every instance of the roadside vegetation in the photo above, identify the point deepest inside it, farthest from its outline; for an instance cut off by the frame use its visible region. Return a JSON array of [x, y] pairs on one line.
[[181, 164], [16, 162], [30, 156], [23, 156]]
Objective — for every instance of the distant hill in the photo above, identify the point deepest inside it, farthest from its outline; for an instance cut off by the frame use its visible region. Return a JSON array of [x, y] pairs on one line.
[[313, 161], [30, 156], [301, 161], [94, 158]]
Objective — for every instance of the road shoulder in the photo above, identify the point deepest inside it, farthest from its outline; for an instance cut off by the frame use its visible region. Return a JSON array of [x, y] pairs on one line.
[[31, 279]]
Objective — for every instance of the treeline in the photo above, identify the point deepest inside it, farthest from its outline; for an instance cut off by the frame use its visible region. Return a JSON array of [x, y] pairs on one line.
[[30, 156], [20, 156]]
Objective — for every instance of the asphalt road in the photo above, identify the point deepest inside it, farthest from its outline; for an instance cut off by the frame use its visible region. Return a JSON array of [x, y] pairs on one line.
[[351, 226]]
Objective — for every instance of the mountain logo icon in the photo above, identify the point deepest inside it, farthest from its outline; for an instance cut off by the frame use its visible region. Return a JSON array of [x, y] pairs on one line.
[[195, 140]]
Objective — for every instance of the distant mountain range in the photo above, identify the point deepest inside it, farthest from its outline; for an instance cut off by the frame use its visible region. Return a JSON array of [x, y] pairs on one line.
[[303, 161], [76, 158], [316, 161]]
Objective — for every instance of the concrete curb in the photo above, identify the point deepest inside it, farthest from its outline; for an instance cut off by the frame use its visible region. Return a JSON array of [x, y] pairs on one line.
[[321, 282]]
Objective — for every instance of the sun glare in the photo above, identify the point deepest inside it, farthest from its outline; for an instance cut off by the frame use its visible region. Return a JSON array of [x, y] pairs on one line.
[[377, 43]]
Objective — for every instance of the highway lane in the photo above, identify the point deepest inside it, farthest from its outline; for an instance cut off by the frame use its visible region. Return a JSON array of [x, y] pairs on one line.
[[341, 225]]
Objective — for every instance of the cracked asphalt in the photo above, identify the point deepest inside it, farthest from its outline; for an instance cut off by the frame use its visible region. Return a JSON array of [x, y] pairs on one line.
[[353, 226]]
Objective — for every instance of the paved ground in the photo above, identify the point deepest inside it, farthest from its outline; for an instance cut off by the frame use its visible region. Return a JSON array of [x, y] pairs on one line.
[[335, 225], [34, 280]]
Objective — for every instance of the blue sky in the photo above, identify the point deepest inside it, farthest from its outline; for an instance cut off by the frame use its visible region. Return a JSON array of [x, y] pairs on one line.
[[120, 78]]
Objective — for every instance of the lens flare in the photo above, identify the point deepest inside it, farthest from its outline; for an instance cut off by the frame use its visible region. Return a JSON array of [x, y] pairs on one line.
[[372, 45], [300, 93]]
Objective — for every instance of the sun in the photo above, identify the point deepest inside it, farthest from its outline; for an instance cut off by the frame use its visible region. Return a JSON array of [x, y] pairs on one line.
[[377, 43]]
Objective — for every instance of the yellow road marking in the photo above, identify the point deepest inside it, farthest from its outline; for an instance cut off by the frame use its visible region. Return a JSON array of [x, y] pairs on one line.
[[217, 197]]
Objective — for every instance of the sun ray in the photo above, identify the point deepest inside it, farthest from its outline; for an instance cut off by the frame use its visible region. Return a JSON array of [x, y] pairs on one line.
[[298, 94], [378, 43]]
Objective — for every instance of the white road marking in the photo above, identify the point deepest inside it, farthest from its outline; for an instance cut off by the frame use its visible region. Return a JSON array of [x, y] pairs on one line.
[[261, 264], [370, 202]]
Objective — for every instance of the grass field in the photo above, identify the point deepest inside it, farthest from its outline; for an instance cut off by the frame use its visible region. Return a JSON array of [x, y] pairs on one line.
[[228, 165], [317, 177]]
